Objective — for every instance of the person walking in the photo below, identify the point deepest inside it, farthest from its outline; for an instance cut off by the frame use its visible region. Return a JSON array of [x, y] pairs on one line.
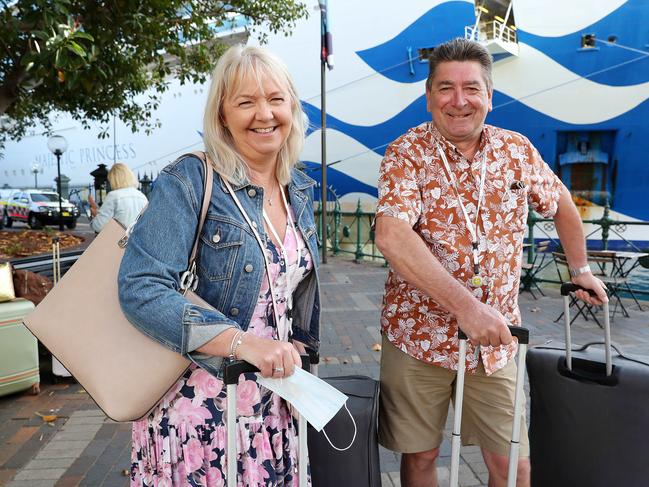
[[124, 201], [260, 278], [451, 218]]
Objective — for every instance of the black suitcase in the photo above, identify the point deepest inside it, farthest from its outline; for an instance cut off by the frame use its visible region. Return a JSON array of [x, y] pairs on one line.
[[357, 466], [588, 427]]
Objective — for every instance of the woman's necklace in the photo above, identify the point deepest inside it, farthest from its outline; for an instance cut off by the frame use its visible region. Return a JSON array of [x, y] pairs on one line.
[[272, 193]]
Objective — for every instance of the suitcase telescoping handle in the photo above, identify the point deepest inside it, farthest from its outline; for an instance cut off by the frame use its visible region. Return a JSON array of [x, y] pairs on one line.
[[231, 375], [566, 289], [523, 336]]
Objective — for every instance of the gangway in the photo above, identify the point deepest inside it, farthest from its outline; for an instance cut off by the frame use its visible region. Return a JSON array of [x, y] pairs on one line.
[[497, 33]]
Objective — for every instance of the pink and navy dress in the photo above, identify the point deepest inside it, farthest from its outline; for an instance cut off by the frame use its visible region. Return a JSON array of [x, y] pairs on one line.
[[183, 441]]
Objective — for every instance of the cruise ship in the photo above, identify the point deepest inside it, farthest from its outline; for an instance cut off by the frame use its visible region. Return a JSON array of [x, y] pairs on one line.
[[573, 76]]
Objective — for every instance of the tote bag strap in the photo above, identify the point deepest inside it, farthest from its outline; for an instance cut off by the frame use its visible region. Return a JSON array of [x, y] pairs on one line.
[[189, 279]]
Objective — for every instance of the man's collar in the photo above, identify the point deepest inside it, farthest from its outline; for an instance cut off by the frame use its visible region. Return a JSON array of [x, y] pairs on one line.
[[450, 148]]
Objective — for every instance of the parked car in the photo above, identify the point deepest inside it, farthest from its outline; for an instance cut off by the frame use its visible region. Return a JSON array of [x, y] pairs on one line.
[[37, 208], [4, 197]]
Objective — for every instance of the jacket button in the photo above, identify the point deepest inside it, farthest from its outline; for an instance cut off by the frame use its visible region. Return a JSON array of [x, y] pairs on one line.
[[216, 238], [254, 224], [248, 268], [252, 192], [234, 311]]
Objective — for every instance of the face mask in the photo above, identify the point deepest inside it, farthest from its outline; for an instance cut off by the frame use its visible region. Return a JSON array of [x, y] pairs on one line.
[[314, 399]]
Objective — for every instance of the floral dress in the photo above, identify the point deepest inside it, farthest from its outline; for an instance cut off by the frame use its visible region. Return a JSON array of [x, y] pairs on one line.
[[183, 441]]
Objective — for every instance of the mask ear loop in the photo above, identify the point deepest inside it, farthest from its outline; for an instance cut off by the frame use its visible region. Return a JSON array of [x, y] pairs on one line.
[[353, 438]]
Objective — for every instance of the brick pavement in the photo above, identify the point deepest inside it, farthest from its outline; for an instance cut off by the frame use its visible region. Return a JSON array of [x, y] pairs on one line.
[[82, 447]]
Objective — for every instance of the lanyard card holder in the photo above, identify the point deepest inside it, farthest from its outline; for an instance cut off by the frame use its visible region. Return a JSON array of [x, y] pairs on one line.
[[523, 336], [231, 376]]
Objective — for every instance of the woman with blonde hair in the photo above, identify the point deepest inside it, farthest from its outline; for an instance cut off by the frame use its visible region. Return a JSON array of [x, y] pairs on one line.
[[123, 202], [258, 271]]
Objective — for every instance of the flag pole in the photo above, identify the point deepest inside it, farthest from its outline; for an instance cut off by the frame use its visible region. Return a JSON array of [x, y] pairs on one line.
[[326, 60], [323, 159]]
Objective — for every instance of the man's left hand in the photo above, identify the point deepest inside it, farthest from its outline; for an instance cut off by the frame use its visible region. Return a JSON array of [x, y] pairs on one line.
[[589, 281]]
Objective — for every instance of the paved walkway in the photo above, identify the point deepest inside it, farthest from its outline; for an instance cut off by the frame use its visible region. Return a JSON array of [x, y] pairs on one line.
[[81, 447]]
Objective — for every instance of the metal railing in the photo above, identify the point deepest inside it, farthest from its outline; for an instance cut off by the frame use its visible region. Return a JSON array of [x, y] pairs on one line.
[[492, 30], [606, 225], [351, 232]]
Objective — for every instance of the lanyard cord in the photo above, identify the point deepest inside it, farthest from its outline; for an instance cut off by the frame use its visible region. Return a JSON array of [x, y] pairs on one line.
[[283, 336], [474, 230]]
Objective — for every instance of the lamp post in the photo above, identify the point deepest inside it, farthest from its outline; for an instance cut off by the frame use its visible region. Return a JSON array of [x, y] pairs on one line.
[[35, 169], [57, 146]]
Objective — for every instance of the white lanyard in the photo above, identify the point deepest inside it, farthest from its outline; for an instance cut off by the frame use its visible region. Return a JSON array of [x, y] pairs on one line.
[[284, 333], [284, 254], [474, 230]]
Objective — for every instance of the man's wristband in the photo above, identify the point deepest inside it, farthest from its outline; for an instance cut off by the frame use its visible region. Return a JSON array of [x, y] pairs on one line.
[[579, 271]]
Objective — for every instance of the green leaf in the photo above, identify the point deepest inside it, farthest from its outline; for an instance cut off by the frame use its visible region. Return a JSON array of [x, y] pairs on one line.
[[111, 53], [76, 48], [83, 35], [41, 35]]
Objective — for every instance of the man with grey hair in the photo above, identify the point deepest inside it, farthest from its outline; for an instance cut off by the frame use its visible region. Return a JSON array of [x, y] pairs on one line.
[[451, 218]]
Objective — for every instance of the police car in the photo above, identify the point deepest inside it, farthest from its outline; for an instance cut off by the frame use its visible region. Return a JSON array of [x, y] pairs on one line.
[[37, 208]]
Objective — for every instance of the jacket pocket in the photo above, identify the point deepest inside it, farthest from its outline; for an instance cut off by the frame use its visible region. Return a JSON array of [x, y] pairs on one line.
[[220, 242]]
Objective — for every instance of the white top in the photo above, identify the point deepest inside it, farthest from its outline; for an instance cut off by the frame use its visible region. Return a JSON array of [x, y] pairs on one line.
[[122, 204]]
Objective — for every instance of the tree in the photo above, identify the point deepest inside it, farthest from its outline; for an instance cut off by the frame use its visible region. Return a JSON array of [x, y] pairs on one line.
[[92, 58]]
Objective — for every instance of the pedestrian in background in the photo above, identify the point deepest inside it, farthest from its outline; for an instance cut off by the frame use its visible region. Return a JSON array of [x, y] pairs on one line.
[[260, 277], [124, 201], [451, 218]]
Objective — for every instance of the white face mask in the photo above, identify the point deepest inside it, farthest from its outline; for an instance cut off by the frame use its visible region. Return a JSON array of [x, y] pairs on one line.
[[317, 401]]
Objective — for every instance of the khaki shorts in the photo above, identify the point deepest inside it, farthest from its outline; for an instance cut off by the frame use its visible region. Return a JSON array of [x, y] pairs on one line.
[[414, 403]]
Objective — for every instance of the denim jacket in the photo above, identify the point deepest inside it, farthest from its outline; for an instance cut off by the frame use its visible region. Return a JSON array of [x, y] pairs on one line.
[[230, 264]]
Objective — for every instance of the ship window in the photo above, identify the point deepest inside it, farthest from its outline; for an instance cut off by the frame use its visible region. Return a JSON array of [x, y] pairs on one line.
[[588, 41], [424, 53]]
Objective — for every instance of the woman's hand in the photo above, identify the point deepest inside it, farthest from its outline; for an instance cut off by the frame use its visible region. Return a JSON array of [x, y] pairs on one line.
[[300, 347], [273, 358], [93, 206]]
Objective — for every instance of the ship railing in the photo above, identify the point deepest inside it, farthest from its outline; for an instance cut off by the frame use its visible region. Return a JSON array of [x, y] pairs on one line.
[[490, 31], [350, 232]]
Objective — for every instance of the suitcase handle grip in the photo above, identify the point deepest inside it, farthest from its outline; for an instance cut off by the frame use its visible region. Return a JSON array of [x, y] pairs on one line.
[[569, 287], [234, 369], [523, 334]]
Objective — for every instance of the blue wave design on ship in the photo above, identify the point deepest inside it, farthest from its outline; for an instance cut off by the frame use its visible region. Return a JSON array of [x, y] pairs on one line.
[[341, 182], [439, 24], [630, 145], [374, 135], [566, 50], [448, 20], [513, 115]]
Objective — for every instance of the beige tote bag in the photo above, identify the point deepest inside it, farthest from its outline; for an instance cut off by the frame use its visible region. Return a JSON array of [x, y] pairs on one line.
[[81, 322]]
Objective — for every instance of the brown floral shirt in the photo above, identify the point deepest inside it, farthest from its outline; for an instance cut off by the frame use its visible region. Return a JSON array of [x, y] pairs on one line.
[[413, 187]]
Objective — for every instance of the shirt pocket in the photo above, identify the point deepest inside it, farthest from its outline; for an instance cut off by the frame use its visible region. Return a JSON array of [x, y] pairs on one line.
[[221, 241], [513, 209]]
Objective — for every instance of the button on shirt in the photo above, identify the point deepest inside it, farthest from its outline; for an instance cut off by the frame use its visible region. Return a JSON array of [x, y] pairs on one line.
[[414, 187]]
